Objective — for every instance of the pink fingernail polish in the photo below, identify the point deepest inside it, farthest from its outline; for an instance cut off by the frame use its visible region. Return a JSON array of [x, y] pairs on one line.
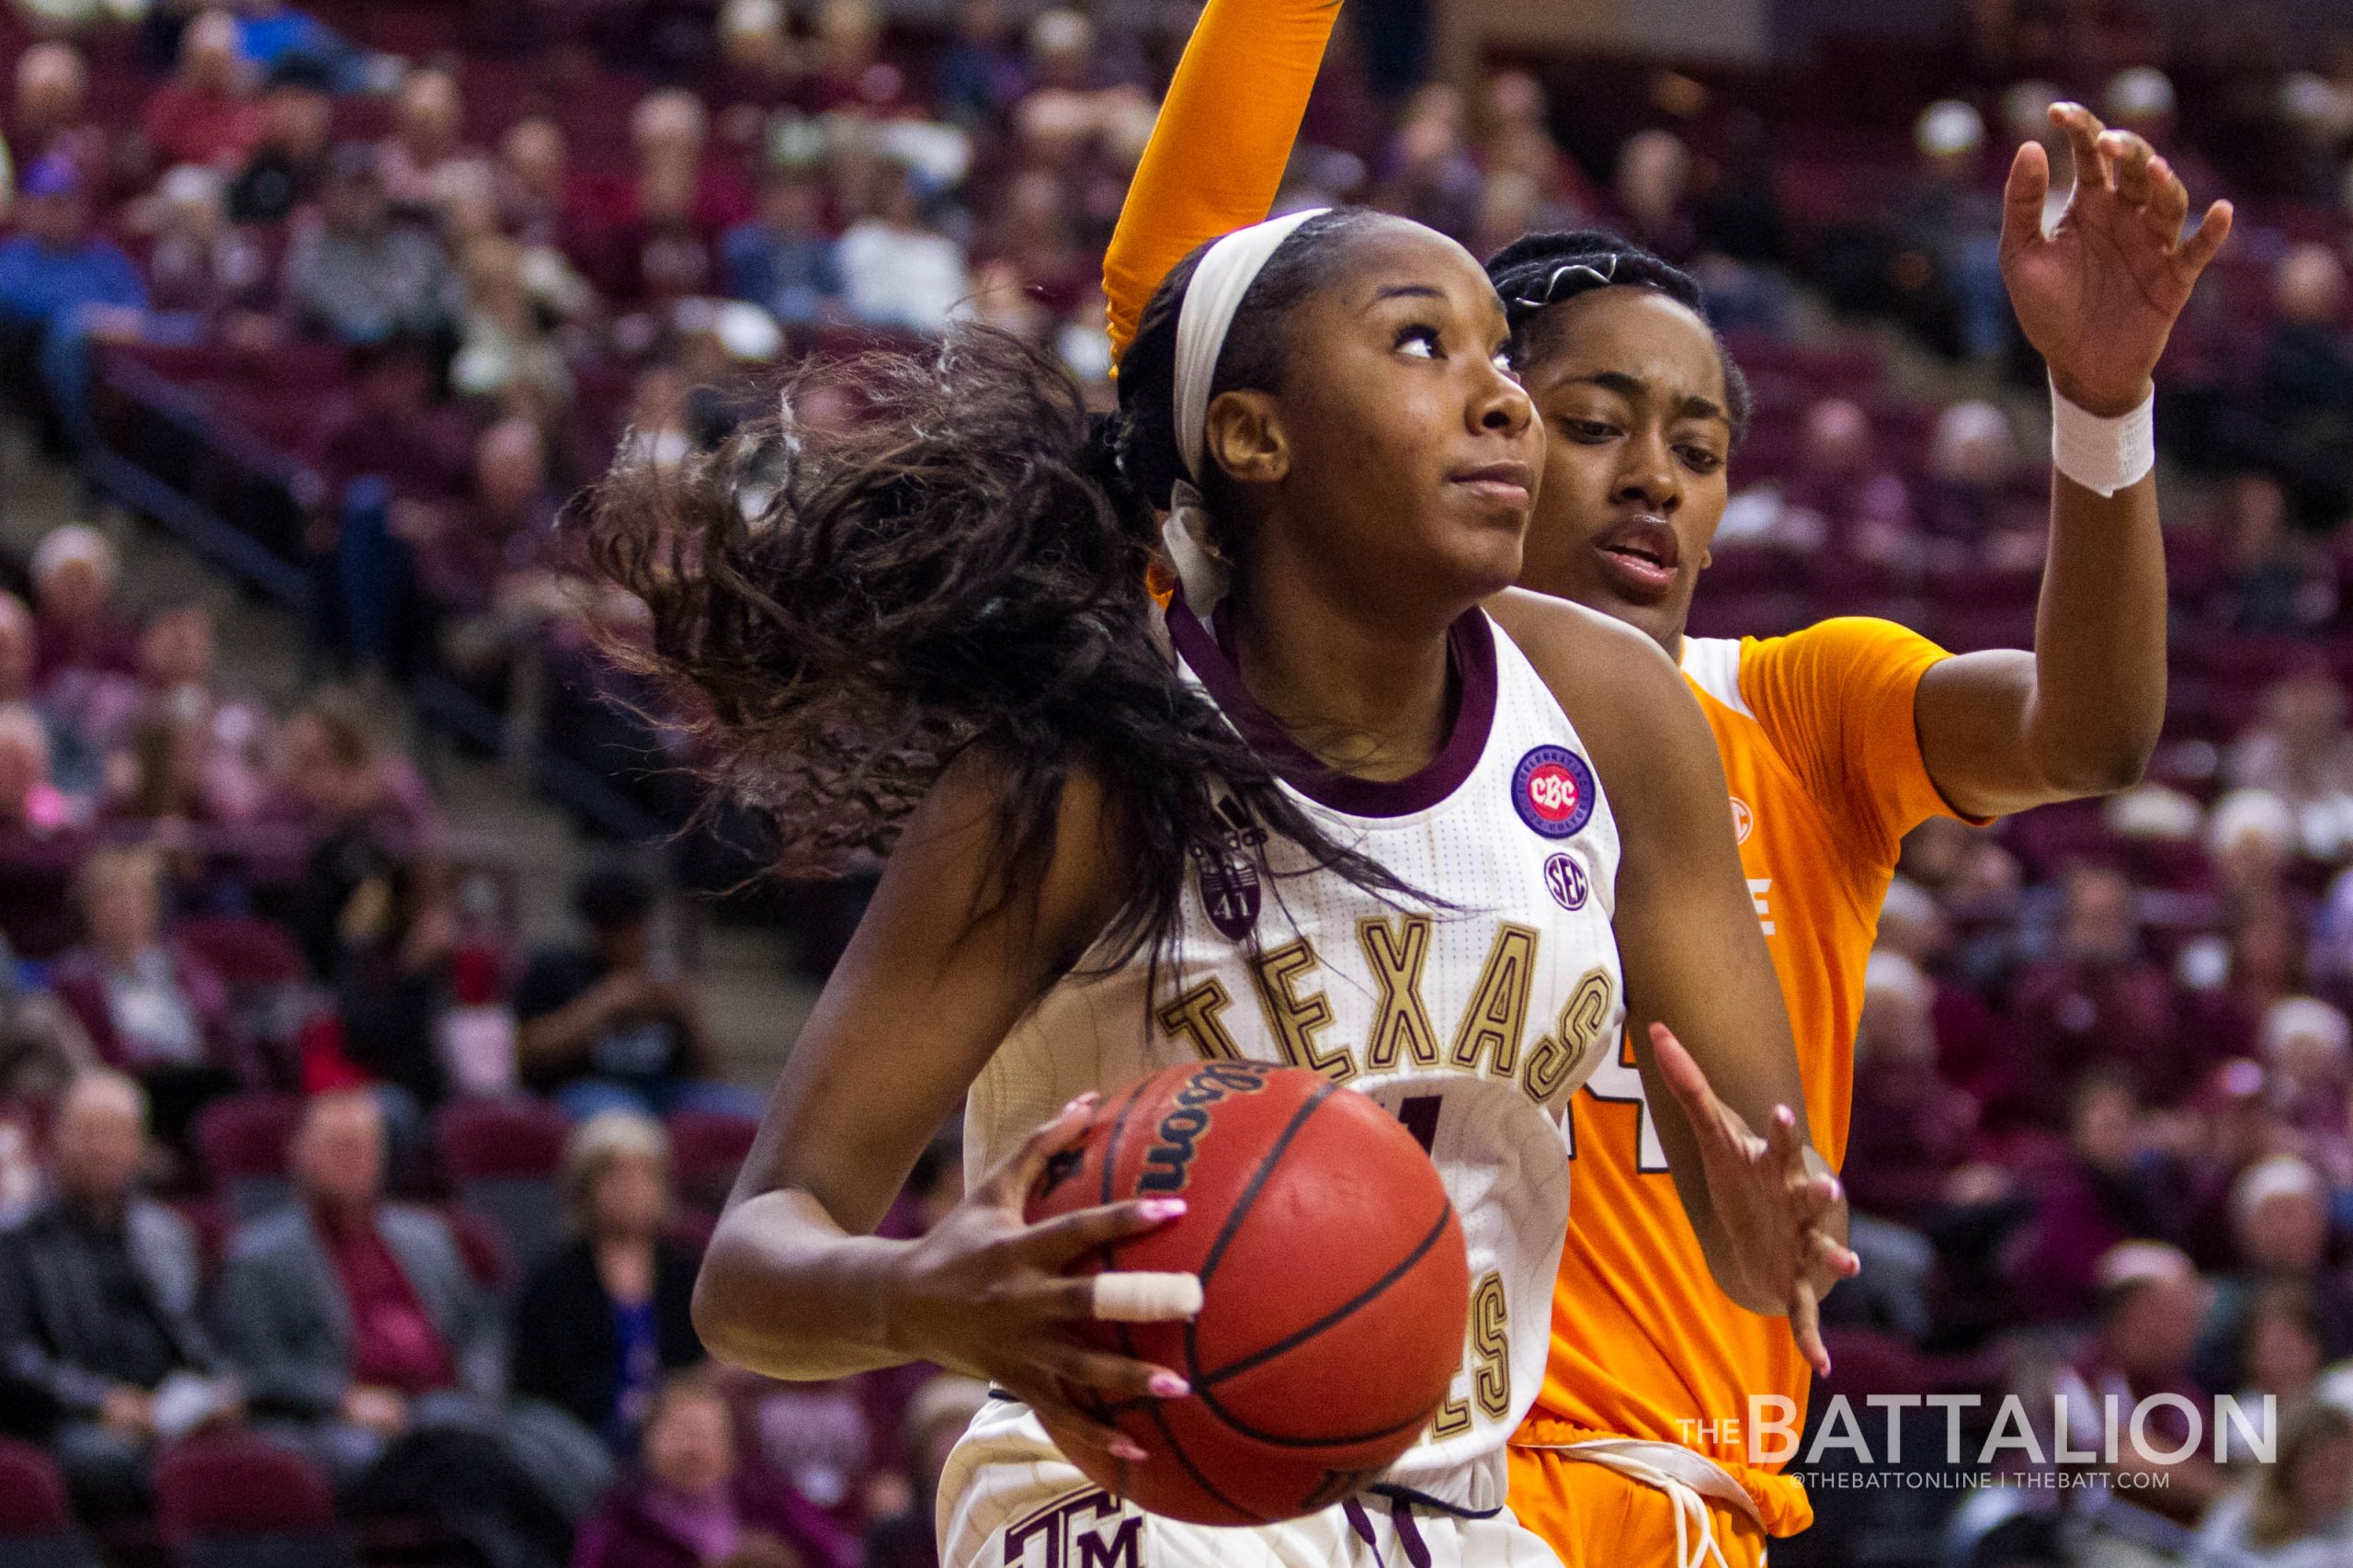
[[1168, 1385], [1123, 1450], [1158, 1209]]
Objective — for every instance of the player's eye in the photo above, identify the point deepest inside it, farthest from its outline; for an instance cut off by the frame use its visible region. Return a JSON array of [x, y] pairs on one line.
[[1420, 341], [1502, 357], [1699, 459], [1589, 432]]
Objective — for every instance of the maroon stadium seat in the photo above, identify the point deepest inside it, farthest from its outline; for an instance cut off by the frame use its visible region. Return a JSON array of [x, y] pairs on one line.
[[239, 1502], [243, 951], [501, 1158], [707, 1148], [242, 1142], [32, 1494]]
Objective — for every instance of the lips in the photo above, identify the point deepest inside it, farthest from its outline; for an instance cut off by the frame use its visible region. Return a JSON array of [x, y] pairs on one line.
[[1505, 483], [1640, 556]]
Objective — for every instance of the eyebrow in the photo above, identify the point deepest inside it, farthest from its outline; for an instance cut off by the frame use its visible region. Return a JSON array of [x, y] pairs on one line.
[[1626, 386], [1405, 292]]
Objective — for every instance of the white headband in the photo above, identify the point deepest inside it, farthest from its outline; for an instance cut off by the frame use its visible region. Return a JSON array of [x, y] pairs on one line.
[[1226, 271]]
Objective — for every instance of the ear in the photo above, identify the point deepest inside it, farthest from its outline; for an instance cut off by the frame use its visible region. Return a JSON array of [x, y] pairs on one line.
[[1244, 435]]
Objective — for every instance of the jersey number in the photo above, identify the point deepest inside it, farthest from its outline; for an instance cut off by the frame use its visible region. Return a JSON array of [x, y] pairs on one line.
[[1618, 1082]]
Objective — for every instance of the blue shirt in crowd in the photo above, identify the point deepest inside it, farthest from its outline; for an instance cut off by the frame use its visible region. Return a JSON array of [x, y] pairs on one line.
[[38, 284]]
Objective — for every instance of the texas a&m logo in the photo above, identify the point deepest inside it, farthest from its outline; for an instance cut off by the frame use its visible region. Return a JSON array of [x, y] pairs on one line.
[[1553, 791], [1092, 1530]]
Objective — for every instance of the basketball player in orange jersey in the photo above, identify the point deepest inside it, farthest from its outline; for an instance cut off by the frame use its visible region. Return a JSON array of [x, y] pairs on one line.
[[1644, 1446]]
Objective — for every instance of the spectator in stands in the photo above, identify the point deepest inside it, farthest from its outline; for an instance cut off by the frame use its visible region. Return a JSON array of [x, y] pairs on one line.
[[2307, 373], [2298, 1511], [362, 811], [1652, 191], [269, 32], [760, 65], [76, 629], [1862, 505], [2307, 1048], [289, 165], [2149, 1306], [353, 1325], [41, 841], [1517, 140], [1962, 514], [695, 1505], [150, 1006], [2303, 753], [1427, 173], [464, 551], [607, 1025], [937, 1417], [2108, 1188], [206, 277], [50, 113], [533, 183], [61, 288], [982, 73], [848, 73], [424, 163], [206, 114], [601, 1322], [2280, 1227], [2278, 1351], [361, 277], [178, 682], [783, 260], [1950, 226], [397, 941], [2098, 1000], [2275, 582], [102, 1349], [898, 268], [1910, 1128], [505, 349]]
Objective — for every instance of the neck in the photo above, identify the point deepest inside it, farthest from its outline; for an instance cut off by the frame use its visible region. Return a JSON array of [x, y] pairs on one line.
[[1368, 696]]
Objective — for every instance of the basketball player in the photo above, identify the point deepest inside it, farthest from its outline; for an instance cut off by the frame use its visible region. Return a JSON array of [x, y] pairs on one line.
[[1644, 1446], [945, 599]]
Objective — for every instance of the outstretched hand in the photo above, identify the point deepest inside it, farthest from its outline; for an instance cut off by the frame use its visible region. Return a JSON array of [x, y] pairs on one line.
[[2098, 296], [1777, 1214]]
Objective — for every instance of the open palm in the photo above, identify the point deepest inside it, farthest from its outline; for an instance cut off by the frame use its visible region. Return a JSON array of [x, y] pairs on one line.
[[2098, 296]]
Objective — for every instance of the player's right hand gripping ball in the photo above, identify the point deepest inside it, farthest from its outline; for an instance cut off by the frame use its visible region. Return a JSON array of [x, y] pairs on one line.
[[1335, 1287]]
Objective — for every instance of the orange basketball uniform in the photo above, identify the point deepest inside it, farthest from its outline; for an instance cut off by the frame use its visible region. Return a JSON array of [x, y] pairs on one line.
[[1824, 765]]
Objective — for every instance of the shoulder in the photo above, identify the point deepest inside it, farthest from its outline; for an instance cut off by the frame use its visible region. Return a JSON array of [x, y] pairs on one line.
[[404, 1223], [157, 1224], [1848, 647], [1618, 687], [271, 1237]]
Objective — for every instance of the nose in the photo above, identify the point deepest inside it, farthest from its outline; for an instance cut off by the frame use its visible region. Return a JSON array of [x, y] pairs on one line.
[[1647, 474], [1500, 405]]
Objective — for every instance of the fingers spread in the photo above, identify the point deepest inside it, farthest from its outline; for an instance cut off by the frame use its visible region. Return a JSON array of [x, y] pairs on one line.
[[2083, 129], [1805, 1322], [2168, 201], [2129, 155]]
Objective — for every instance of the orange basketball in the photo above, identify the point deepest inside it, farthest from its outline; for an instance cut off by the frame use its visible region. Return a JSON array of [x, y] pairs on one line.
[[1334, 1280]]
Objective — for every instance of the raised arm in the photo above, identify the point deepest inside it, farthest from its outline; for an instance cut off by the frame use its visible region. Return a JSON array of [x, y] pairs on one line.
[[792, 1285], [1710, 1032], [1218, 152], [2006, 730]]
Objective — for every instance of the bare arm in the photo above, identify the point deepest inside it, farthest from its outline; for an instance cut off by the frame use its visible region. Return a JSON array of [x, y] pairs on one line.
[[2004, 730], [792, 1285], [1219, 149], [1694, 957]]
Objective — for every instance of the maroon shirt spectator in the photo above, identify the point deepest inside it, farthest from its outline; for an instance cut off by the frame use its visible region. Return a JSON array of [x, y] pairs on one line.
[[465, 549], [76, 626], [2103, 1189], [51, 114], [204, 115], [2100, 1001], [2151, 1303], [694, 1502], [1910, 1129], [425, 161], [385, 425], [144, 1001], [393, 1342]]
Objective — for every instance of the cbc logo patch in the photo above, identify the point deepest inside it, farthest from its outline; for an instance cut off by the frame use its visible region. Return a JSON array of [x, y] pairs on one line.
[[1567, 881], [1553, 791]]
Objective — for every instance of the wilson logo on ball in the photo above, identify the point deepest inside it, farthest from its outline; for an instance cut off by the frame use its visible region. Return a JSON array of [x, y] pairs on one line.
[[1167, 1164], [1553, 791]]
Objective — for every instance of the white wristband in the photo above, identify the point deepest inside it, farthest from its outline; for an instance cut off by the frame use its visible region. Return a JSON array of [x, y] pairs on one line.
[[2103, 456]]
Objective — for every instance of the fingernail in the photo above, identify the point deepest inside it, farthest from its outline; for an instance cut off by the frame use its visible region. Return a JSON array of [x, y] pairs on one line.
[[1080, 1102], [1122, 1449], [1158, 1209], [1837, 1190], [1168, 1385]]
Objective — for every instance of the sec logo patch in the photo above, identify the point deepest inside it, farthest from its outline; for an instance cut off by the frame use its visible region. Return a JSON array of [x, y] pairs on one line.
[[1567, 881], [1553, 791]]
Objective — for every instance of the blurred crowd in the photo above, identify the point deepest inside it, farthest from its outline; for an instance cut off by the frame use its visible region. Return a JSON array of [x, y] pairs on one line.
[[455, 263]]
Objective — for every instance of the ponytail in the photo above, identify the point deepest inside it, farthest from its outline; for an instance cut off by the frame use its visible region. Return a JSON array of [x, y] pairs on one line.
[[959, 562]]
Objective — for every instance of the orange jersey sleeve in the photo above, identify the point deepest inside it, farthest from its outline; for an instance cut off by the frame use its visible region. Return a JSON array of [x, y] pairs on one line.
[[1218, 152], [1835, 699], [1824, 769]]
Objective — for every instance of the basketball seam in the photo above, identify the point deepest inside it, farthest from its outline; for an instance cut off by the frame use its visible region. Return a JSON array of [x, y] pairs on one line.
[[1300, 1336], [1176, 1448]]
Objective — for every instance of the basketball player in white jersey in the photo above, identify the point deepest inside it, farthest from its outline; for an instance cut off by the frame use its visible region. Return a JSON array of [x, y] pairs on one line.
[[1329, 812]]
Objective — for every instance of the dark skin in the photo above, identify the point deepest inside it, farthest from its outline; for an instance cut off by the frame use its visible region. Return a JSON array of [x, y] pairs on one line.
[[1382, 494], [1632, 393]]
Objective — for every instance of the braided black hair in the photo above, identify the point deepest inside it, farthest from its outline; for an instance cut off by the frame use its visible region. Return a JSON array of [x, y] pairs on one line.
[[1537, 271], [962, 564]]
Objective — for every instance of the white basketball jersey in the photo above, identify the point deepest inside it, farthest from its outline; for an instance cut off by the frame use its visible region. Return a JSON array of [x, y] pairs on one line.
[[1473, 1019]]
